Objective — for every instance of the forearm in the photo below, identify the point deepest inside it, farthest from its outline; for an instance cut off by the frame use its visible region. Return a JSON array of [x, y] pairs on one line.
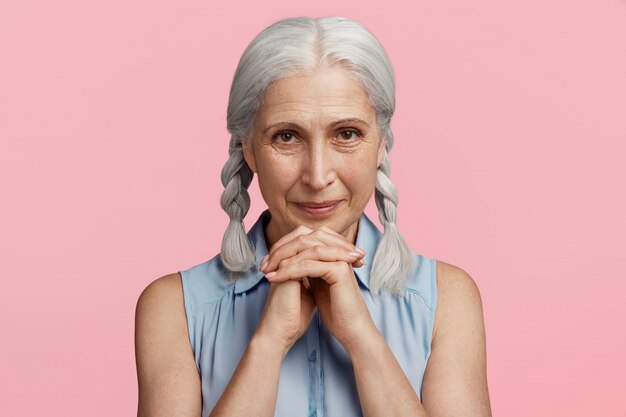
[[382, 385], [256, 377]]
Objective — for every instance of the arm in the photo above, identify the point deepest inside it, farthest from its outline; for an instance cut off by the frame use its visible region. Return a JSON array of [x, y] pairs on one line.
[[256, 377], [455, 382], [286, 316], [384, 389], [169, 383]]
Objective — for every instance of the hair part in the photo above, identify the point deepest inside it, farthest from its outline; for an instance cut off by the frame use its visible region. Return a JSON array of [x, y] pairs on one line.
[[305, 44]]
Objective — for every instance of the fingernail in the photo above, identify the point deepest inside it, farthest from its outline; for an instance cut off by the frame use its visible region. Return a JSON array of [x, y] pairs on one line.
[[361, 250], [270, 275], [355, 254], [263, 263]]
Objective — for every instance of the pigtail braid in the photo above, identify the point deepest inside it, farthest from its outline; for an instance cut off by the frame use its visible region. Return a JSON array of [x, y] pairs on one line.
[[393, 260], [237, 253]]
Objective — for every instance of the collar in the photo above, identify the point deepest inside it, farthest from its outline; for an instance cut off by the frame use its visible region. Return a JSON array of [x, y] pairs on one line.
[[367, 239]]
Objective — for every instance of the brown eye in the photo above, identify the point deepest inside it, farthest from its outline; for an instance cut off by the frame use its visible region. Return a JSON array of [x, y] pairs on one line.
[[348, 135], [284, 137]]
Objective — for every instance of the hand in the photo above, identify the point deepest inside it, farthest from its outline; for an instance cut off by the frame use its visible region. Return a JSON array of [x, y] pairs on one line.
[[327, 258], [287, 314]]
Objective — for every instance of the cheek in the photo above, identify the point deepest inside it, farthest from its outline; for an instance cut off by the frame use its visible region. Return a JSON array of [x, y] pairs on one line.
[[360, 178], [275, 178]]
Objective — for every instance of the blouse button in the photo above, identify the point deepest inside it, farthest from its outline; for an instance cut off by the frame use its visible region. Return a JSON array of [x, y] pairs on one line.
[[312, 358]]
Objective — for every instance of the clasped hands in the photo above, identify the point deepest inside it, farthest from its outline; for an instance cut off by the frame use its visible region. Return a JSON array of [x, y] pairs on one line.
[[310, 268]]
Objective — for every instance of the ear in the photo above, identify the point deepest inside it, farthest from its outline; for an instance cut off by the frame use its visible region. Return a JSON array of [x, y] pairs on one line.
[[381, 152], [248, 154]]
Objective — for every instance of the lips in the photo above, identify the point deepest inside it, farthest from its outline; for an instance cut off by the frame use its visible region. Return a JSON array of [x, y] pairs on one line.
[[318, 209], [323, 204]]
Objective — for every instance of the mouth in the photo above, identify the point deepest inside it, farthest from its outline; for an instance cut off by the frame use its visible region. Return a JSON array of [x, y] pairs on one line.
[[318, 209]]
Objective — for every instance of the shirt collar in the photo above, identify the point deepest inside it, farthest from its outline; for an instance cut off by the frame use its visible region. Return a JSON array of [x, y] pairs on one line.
[[367, 239]]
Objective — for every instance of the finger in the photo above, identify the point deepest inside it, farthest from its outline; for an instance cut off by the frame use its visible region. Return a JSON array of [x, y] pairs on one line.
[[287, 250], [321, 253], [300, 230], [300, 237], [328, 271], [332, 238], [303, 243]]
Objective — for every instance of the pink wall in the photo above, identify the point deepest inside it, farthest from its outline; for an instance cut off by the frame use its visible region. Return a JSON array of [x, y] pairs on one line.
[[510, 130]]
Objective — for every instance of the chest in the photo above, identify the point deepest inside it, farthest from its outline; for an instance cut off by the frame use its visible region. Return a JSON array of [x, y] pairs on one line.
[[316, 376]]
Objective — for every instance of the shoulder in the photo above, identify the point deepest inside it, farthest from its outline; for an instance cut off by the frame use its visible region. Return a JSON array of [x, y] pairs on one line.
[[458, 296], [161, 299], [206, 282], [455, 380], [164, 287], [164, 356], [160, 323]]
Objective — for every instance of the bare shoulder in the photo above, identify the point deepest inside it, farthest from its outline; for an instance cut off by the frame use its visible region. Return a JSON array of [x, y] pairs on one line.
[[161, 307], [169, 381], [456, 292], [455, 380], [160, 312], [163, 292]]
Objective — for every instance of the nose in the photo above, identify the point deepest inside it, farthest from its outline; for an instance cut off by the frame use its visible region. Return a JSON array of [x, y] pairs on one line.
[[318, 171]]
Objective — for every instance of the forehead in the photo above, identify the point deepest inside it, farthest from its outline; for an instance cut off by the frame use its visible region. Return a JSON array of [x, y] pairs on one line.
[[332, 92]]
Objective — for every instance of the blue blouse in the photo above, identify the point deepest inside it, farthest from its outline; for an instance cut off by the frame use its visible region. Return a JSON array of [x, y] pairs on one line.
[[316, 375]]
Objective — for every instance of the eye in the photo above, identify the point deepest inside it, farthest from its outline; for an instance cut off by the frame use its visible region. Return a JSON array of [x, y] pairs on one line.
[[349, 135], [284, 137]]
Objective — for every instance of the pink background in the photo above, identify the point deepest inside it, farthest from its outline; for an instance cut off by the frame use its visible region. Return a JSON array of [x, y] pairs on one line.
[[510, 145]]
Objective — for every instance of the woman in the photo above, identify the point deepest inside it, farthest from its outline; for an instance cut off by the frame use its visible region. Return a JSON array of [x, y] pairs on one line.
[[314, 312]]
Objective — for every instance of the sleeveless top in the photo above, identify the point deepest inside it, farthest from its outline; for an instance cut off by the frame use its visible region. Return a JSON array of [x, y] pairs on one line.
[[316, 375]]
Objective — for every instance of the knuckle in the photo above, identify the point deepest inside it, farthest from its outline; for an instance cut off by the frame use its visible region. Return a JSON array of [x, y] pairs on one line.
[[317, 232], [318, 250], [283, 264], [326, 229], [342, 267]]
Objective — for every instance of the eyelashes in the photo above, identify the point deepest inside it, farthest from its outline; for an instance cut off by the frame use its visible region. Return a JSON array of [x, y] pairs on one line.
[[277, 137], [357, 134], [287, 137]]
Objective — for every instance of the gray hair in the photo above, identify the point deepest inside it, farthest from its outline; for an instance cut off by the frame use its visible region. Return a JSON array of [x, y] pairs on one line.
[[284, 48]]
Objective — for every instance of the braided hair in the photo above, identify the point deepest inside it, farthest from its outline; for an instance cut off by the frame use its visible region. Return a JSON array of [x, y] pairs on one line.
[[282, 49]]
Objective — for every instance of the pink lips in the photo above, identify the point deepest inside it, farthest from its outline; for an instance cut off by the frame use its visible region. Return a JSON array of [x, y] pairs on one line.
[[318, 209]]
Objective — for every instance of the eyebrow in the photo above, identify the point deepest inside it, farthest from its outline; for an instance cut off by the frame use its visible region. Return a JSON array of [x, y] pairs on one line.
[[293, 125]]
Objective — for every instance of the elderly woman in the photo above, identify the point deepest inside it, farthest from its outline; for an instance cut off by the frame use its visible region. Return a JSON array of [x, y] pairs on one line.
[[314, 312]]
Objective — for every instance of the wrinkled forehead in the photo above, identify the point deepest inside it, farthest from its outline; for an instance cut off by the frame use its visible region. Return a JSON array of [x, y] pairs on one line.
[[328, 93]]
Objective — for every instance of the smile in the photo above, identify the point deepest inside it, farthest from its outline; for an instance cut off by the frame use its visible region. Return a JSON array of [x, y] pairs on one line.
[[320, 209]]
